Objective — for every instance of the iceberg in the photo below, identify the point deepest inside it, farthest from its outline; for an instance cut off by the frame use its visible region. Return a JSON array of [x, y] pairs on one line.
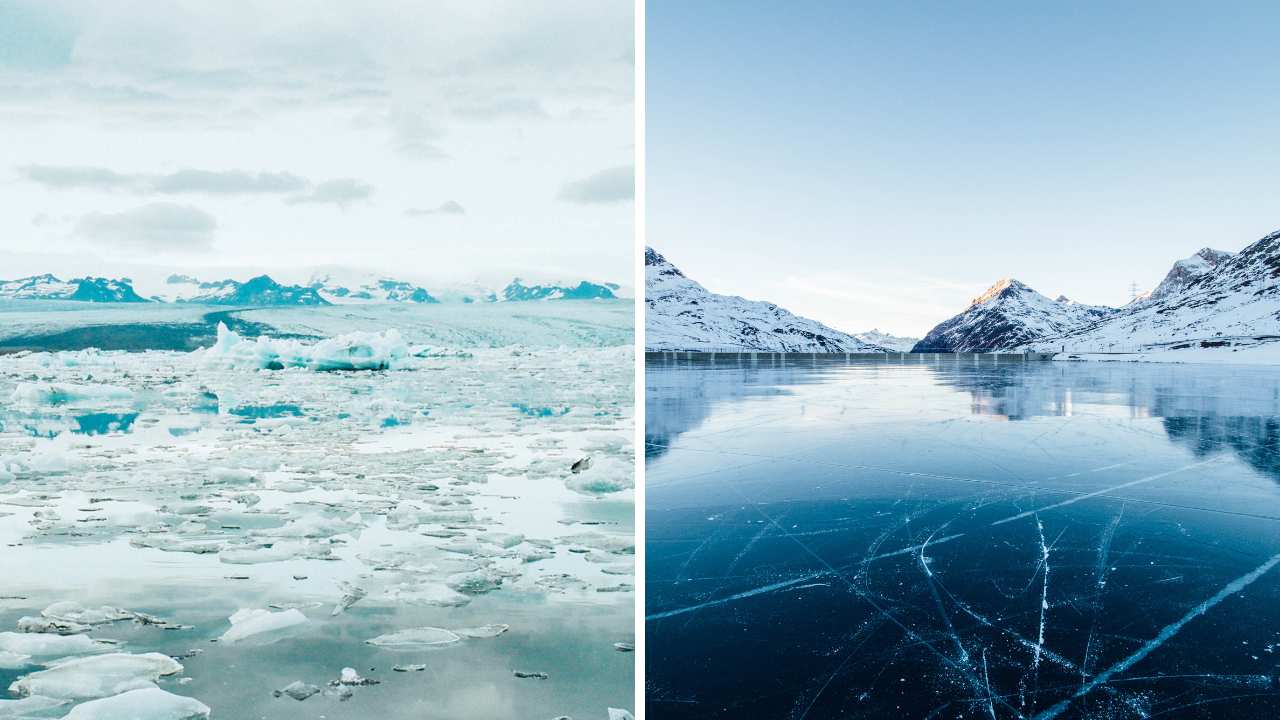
[[352, 351], [143, 704], [38, 645], [252, 621], [73, 612], [96, 676]]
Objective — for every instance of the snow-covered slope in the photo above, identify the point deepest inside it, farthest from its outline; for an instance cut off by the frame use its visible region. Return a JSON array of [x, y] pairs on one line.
[[1233, 302], [85, 289], [517, 291], [1007, 315], [258, 291], [897, 343], [680, 314], [1187, 270], [368, 288]]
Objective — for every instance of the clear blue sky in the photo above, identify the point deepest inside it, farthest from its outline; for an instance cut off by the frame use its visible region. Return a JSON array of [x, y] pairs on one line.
[[877, 164]]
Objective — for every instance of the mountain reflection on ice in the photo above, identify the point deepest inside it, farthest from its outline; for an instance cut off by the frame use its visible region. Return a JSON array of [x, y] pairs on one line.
[[261, 527], [962, 539]]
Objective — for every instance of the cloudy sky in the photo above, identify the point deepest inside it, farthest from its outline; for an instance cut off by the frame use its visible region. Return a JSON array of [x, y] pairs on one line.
[[880, 163], [437, 140]]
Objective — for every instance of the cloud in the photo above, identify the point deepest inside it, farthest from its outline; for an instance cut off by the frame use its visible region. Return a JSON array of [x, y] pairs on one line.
[[228, 182], [448, 207], [613, 185], [61, 177], [340, 192], [156, 227], [187, 180]]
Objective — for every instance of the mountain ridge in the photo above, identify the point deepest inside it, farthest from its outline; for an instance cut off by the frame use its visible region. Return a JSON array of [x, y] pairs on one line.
[[683, 315]]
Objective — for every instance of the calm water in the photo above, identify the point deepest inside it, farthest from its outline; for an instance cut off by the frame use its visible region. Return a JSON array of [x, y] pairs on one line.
[[962, 540]]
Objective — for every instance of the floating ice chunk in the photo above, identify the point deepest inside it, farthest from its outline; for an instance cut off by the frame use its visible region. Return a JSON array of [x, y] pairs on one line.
[[483, 631], [436, 594], [502, 540], [72, 611], [40, 393], [229, 476], [297, 690], [38, 645], [314, 526], [53, 456], [475, 582], [144, 704], [351, 594], [624, 647], [409, 518], [620, 714], [97, 676], [169, 543], [600, 484], [535, 554], [255, 621], [350, 677], [613, 475], [416, 638], [13, 661], [616, 544], [28, 624], [560, 583], [276, 552], [353, 351], [30, 707], [417, 667]]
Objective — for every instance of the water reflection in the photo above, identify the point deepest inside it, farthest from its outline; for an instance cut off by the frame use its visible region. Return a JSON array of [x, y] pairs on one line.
[[1208, 409]]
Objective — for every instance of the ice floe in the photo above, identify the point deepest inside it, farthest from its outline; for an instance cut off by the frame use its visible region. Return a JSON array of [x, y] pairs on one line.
[[250, 622], [142, 704], [96, 676], [417, 638]]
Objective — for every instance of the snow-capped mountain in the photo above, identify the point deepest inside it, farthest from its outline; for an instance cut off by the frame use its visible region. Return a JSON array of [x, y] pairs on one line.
[[1186, 270], [1008, 314], [368, 289], [518, 291], [897, 343], [261, 290], [680, 314], [85, 289], [330, 285], [1233, 301]]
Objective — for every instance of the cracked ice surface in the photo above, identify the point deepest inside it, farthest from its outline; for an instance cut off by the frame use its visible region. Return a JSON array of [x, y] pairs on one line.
[[263, 527], [944, 539]]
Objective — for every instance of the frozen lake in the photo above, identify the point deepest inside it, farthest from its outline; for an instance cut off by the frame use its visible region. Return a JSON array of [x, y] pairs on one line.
[[236, 535], [961, 539]]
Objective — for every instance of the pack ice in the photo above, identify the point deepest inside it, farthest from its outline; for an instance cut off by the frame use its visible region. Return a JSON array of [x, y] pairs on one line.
[[371, 497]]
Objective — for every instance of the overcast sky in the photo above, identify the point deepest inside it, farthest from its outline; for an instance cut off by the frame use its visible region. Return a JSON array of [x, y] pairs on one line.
[[438, 140], [880, 163]]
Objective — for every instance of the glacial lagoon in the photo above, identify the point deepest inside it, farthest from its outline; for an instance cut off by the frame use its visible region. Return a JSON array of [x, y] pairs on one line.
[[237, 532], [943, 538]]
